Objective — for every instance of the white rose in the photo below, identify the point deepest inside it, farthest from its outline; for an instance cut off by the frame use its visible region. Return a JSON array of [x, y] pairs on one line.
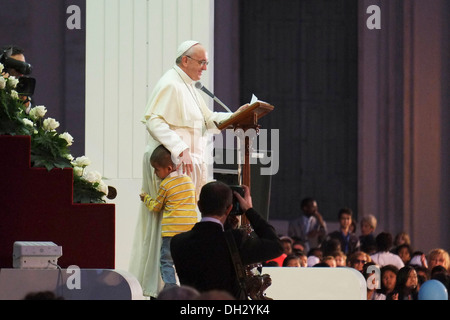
[[50, 124], [81, 162], [1, 68], [2, 83], [14, 94], [13, 81], [78, 171], [28, 122], [93, 176], [66, 136], [102, 187], [38, 112], [69, 157]]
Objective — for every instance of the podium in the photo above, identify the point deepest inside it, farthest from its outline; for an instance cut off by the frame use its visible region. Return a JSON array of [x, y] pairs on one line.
[[243, 121]]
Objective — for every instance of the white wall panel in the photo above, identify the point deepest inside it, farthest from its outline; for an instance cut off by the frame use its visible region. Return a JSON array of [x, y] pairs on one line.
[[126, 82], [95, 82], [155, 40], [140, 82], [129, 45], [184, 25], [111, 93]]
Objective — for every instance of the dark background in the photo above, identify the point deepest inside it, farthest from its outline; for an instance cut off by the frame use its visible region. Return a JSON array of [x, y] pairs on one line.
[[301, 57], [57, 55]]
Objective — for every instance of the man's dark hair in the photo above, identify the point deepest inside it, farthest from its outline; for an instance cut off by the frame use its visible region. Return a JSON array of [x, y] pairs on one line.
[[306, 201], [215, 198], [15, 50], [384, 241]]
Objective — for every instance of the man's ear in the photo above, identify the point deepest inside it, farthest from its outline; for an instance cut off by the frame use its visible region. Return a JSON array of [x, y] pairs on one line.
[[227, 212]]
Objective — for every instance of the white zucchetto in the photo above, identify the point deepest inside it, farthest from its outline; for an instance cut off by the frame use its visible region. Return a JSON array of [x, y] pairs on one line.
[[185, 46]]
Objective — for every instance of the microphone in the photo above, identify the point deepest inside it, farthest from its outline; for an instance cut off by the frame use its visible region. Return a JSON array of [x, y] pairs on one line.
[[199, 85]]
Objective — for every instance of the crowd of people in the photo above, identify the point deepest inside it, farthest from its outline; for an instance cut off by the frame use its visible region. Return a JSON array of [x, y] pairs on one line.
[[403, 269]]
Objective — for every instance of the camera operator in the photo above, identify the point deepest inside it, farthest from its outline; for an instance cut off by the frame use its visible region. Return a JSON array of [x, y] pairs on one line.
[[202, 257], [14, 62]]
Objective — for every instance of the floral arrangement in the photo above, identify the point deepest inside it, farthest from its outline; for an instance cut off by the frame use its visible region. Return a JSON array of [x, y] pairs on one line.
[[49, 149]]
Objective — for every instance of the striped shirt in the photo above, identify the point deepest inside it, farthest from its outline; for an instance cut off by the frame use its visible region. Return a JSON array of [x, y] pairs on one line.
[[176, 198]]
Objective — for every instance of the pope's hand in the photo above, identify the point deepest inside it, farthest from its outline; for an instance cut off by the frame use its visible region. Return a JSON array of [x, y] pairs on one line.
[[186, 162]]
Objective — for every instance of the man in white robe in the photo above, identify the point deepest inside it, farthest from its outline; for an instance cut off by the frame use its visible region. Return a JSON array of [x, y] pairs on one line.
[[177, 117]]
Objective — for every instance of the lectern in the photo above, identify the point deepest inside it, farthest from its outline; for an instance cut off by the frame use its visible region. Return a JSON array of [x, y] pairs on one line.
[[245, 120]]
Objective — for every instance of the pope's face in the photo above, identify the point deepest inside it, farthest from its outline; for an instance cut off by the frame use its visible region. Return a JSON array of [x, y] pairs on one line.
[[195, 63]]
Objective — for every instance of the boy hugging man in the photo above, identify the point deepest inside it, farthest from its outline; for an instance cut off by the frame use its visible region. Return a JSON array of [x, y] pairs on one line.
[[177, 200]]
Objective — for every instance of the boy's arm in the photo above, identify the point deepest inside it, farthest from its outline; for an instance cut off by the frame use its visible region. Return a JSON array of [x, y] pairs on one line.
[[153, 204]]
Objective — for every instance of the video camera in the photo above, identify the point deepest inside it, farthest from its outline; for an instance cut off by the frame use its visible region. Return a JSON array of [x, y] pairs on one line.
[[26, 85]]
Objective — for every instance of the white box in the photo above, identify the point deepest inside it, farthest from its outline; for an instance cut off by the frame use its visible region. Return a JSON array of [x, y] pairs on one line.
[[36, 255]]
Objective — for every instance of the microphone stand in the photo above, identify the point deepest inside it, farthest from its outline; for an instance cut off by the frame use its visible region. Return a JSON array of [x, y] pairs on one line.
[[199, 85]]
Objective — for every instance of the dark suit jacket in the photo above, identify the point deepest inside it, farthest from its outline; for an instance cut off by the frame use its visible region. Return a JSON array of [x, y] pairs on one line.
[[203, 261], [349, 245]]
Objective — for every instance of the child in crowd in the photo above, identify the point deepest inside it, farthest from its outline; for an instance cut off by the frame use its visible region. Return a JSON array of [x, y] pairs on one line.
[[330, 261], [388, 281], [349, 241], [177, 200], [292, 260], [406, 285], [341, 259]]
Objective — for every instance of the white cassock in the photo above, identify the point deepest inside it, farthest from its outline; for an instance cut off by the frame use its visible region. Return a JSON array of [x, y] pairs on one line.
[[177, 117]]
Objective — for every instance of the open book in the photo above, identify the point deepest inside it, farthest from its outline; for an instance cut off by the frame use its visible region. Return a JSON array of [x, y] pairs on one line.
[[247, 116]]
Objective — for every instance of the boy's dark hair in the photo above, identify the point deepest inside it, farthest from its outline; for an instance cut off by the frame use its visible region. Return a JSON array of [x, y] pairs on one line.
[[345, 211], [161, 156]]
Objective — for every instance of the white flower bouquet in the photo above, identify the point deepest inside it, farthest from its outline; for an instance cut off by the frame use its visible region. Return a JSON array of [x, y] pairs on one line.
[[48, 148], [12, 111]]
